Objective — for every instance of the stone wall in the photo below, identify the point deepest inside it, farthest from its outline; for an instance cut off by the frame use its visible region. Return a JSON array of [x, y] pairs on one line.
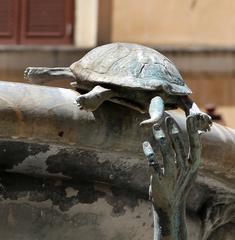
[[32, 208], [53, 192]]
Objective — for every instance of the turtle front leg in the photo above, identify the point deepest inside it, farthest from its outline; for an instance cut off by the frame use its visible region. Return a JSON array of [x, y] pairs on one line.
[[93, 99], [191, 108], [156, 110]]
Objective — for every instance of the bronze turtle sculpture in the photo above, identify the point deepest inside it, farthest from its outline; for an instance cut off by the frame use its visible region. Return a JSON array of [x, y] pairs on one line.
[[128, 74]]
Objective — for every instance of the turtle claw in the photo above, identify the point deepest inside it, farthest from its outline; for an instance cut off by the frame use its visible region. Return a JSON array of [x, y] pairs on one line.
[[147, 123], [82, 103], [150, 122], [26, 72], [79, 105], [204, 122]]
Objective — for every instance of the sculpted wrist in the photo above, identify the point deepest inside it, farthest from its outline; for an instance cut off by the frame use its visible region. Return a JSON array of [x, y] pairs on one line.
[[172, 222]]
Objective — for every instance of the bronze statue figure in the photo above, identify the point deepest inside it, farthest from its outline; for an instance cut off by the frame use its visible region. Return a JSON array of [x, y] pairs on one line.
[[141, 78], [129, 74]]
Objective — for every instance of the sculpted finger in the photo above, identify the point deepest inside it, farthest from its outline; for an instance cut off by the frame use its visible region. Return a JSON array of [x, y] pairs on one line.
[[194, 139], [151, 157], [166, 149], [178, 143]]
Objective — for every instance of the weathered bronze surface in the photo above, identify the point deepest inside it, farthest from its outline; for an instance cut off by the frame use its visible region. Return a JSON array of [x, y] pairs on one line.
[[129, 74]]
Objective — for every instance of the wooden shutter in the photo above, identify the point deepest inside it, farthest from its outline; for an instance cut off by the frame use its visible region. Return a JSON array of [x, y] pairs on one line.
[[47, 21], [9, 21]]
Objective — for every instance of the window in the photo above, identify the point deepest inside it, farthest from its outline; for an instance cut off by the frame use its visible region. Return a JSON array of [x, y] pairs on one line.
[[36, 21]]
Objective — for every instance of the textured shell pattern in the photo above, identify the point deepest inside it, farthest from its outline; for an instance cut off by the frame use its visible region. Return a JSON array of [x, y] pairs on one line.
[[130, 66]]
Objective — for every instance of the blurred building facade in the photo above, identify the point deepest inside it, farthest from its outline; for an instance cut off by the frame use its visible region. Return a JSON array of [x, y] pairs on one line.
[[88, 23], [196, 35]]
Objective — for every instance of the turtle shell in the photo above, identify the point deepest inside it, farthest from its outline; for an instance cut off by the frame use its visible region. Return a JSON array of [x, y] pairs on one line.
[[129, 66]]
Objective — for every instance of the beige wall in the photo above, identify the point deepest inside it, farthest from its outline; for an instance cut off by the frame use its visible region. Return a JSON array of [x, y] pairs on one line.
[[155, 22], [185, 22]]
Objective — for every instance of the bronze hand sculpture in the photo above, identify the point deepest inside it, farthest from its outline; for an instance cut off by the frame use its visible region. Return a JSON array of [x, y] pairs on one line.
[[170, 184]]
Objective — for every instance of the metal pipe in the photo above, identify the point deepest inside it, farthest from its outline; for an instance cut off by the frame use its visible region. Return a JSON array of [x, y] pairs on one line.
[[49, 115]]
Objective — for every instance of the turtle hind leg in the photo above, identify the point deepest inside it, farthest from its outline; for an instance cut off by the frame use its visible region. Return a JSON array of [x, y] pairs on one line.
[[93, 99], [191, 108], [41, 75], [156, 110]]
